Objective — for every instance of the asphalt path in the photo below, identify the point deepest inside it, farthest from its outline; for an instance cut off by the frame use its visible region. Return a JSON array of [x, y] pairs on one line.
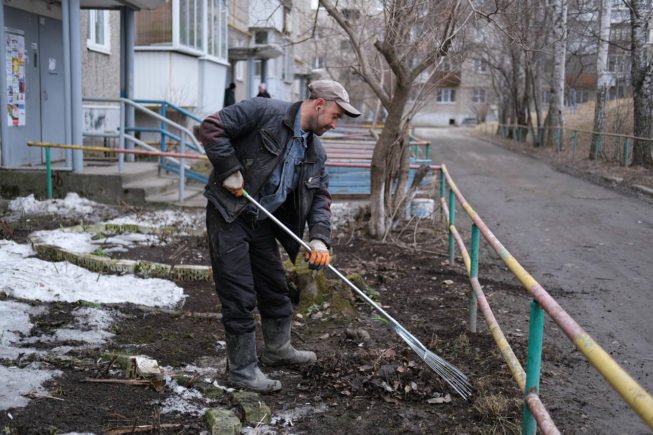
[[589, 246]]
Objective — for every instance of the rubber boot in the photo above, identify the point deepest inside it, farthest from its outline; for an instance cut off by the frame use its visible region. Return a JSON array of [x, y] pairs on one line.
[[243, 365], [278, 350]]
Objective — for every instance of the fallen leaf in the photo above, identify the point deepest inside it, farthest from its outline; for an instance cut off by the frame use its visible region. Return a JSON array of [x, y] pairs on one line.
[[442, 399]]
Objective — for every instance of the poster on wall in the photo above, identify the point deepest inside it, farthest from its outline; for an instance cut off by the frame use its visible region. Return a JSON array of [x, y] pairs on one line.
[[15, 56]]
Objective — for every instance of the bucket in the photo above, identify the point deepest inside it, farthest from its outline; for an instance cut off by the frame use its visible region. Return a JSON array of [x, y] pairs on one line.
[[422, 207]]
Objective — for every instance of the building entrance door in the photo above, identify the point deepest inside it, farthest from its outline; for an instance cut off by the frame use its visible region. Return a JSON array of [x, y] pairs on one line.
[[35, 86]]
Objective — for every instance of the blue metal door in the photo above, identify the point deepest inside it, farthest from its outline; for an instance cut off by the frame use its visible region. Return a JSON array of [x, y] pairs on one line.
[[23, 87], [52, 84]]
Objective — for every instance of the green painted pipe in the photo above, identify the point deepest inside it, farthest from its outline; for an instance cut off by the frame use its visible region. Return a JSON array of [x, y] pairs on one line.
[[534, 364], [473, 272], [452, 218], [443, 191], [48, 172]]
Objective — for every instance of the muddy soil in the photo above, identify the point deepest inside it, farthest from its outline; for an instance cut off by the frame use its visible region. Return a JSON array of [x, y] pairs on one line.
[[359, 385]]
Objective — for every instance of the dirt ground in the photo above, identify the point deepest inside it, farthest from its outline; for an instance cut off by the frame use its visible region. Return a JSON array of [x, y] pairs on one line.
[[358, 385]]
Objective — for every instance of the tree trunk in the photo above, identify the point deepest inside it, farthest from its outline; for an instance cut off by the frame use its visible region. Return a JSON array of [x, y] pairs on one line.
[[390, 136], [642, 77], [600, 110], [555, 120]]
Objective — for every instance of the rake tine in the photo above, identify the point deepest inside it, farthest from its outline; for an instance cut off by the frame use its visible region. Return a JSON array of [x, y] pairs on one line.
[[451, 375]]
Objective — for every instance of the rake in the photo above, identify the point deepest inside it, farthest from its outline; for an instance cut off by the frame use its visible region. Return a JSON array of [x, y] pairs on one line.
[[451, 375]]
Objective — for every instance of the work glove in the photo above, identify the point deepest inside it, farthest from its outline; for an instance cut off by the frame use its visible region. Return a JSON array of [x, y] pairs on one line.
[[318, 257], [234, 183]]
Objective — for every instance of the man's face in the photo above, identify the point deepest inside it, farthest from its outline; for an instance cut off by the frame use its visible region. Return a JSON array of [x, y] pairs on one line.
[[326, 117]]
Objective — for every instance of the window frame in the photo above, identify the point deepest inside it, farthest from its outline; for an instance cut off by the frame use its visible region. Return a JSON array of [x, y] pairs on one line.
[[213, 35], [478, 96], [91, 42], [446, 96]]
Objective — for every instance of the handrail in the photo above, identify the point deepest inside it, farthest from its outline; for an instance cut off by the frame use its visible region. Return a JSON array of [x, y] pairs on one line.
[[636, 397], [177, 108]]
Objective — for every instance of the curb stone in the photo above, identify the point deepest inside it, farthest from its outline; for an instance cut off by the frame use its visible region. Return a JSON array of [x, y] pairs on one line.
[[223, 422]]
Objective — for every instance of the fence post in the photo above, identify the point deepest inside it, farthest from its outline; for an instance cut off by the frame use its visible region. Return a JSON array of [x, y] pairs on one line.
[[121, 140], [48, 171], [558, 139], [597, 142], [573, 145], [473, 303], [534, 364], [443, 191], [182, 168], [626, 152], [452, 218], [163, 127]]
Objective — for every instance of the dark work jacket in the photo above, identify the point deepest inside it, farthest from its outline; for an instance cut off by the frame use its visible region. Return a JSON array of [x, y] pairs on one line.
[[252, 137]]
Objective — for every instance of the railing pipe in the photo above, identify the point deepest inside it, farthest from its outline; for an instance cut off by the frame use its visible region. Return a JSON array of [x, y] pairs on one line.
[[182, 170], [636, 397], [533, 365], [48, 172], [574, 141], [544, 421], [452, 221], [443, 191], [163, 127], [473, 302], [121, 141]]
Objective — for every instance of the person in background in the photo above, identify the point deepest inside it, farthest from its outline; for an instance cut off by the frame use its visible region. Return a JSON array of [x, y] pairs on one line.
[[230, 95], [270, 148], [262, 91]]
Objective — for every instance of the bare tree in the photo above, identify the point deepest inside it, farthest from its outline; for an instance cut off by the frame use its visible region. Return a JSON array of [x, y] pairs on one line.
[[409, 39], [603, 81], [555, 119], [642, 78]]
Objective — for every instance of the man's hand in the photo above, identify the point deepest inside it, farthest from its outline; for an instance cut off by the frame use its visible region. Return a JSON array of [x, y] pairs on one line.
[[319, 256], [234, 183]]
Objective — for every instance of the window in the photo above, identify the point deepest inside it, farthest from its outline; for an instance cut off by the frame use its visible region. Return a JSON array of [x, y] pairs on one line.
[[191, 18], [480, 66], [240, 71], [217, 28], [618, 63], [261, 38], [478, 95], [154, 27], [287, 21], [318, 62], [446, 95], [99, 36], [199, 26]]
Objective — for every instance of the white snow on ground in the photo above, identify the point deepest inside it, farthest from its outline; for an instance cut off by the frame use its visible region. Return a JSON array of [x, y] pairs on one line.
[[34, 279], [14, 324], [164, 218], [72, 203], [86, 243], [16, 381]]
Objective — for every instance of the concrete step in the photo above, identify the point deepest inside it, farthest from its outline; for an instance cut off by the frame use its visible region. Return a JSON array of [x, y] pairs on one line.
[[132, 171], [152, 184], [193, 196]]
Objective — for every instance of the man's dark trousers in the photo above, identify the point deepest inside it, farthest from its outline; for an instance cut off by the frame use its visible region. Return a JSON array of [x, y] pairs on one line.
[[247, 269]]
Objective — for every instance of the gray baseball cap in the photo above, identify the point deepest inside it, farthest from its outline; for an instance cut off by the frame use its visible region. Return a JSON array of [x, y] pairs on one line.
[[332, 91]]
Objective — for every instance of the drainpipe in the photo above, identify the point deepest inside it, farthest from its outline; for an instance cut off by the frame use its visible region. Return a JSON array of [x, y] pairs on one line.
[[76, 84], [4, 146], [65, 16]]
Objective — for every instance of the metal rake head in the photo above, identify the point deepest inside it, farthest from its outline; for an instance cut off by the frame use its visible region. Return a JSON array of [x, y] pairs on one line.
[[451, 375]]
